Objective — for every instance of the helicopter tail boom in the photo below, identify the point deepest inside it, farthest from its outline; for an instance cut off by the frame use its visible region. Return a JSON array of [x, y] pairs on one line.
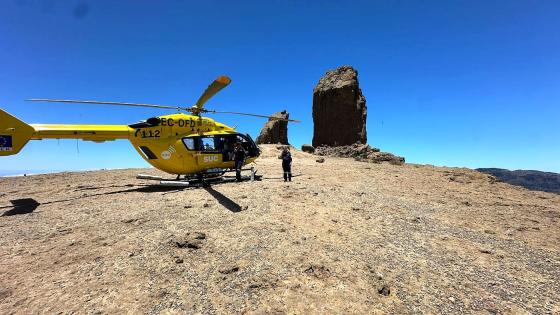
[[14, 133], [96, 133]]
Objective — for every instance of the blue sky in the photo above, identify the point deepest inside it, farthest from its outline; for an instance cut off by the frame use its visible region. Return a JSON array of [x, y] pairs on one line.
[[456, 83]]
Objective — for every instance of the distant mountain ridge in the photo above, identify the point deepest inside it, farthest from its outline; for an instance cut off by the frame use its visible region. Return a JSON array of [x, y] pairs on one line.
[[533, 180], [26, 172]]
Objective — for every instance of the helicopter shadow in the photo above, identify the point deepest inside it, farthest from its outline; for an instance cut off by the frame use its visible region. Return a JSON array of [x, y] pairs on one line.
[[223, 200], [29, 205], [21, 206]]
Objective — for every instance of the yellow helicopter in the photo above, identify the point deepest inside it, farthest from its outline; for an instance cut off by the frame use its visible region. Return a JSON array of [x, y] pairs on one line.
[[179, 144]]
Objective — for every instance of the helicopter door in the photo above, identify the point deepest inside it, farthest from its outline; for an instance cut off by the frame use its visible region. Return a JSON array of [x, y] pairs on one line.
[[248, 144], [210, 154], [225, 144]]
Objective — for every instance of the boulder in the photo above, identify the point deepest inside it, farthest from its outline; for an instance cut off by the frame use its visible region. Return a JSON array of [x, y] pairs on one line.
[[339, 109], [275, 131], [307, 148]]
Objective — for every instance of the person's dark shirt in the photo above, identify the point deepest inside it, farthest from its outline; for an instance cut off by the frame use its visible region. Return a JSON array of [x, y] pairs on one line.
[[286, 157], [239, 154]]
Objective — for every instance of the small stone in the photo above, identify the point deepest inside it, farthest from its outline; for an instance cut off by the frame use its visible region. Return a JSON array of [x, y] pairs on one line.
[[191, 240], [179, 260], [320, 160], [196, 244], [199, 235], [384, 290], [318, 271], [228, 269]]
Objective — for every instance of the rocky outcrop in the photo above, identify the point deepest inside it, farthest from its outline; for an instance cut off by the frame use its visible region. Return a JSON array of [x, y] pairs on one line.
[[339, 109], [360, 152], [275, 131], [339, 119]]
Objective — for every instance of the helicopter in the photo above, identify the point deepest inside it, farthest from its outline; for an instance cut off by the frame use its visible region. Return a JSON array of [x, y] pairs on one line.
[[180, 144]]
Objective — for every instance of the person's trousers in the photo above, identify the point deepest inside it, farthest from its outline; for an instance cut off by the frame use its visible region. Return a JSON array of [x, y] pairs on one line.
[[287, 171], [238, 166]]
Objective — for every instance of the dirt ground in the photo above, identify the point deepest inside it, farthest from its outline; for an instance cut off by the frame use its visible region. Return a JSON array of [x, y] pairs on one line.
[[342, 237]]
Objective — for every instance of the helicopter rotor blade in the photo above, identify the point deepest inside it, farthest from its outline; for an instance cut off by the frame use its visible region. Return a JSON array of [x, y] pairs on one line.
[[109, 103], [194, 110], [211, 90], [253, 115]]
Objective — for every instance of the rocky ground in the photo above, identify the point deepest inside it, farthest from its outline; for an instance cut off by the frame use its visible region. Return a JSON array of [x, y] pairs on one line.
[[343, 237]]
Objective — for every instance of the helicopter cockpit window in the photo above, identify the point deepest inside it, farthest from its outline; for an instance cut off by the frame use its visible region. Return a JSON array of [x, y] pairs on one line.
[[207, 144], [244, 142], [242, 139], [189, 143]]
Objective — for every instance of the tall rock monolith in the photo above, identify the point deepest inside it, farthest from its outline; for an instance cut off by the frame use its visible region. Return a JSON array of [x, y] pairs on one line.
[[339, 109], [275, 131]]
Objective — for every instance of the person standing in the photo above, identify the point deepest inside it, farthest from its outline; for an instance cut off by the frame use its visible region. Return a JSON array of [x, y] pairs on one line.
[[286, 157], [239, 157]]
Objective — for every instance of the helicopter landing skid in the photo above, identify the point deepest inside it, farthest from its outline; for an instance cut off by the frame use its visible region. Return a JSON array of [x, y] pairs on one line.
[[200, 179]]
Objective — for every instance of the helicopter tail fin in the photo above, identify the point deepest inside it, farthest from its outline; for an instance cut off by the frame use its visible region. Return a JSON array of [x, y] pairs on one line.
[[14, 134]]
